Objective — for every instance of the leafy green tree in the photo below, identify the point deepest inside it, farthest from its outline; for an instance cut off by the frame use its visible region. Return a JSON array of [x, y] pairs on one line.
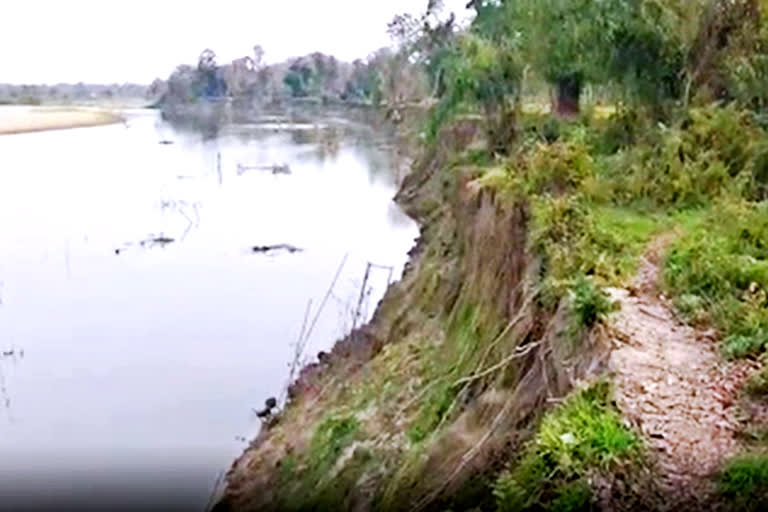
[[488, 75], [426, 40], [295, 83], [633, 43]]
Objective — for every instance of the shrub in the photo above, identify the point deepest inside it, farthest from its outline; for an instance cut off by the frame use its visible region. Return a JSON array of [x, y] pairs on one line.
[[590, 304], [719, 272]]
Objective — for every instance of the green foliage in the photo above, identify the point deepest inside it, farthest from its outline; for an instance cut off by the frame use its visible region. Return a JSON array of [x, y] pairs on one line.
[[719, 272], [573, 497], [481, 73], [434, 407], [577, 238], [583, 434], [466, 331], [573, 229], [622, 130], [312, 480], [589, 303], [295, 83], [713, 152], [757, 384], [558, 167], [331, 437], [632, 44], [747, 71], [744, 482]]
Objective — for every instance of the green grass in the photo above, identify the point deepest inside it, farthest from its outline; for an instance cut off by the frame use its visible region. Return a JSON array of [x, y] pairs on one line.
[[744, 482], [757, 384], [578, 238], [582, 434], [331, 437], [589, 303], [718, 272]]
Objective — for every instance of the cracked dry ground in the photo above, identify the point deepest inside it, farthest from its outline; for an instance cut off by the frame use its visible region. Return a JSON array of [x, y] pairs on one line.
[[673, 386]]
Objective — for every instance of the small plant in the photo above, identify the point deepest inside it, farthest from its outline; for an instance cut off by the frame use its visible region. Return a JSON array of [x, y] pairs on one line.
[[590, 304], [743, 345], [744, 481], [573, 497], [719, 272], [584, 433], [757, 385], [331, 437], [692, 307]]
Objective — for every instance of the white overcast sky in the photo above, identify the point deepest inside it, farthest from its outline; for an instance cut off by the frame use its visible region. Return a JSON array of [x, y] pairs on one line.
[[106, 41]]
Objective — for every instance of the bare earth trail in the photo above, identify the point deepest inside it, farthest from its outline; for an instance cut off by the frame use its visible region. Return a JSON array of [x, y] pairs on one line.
[[672, 384]]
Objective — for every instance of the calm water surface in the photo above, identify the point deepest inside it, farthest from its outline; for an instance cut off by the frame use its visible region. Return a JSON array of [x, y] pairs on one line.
[[132, 376]]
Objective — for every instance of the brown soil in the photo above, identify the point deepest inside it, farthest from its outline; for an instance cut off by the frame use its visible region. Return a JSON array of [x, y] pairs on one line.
[[675, 388]]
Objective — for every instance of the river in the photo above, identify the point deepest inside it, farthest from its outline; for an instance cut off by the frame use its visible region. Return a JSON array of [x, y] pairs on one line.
[[130, 365]]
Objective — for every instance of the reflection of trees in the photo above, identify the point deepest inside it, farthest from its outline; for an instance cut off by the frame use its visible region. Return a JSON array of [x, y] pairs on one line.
[[301, 137], [205, 119]]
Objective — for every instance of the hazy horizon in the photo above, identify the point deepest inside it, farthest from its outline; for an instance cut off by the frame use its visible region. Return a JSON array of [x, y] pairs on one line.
[[83, 41]]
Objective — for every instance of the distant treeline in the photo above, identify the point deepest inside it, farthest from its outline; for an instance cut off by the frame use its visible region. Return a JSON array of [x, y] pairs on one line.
[[66, 93], [385, 76]]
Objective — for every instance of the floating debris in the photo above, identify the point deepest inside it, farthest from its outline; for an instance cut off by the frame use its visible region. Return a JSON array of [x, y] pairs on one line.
[[274, 169], [278, 247], [158, 240], [152, 241], [281, 169]]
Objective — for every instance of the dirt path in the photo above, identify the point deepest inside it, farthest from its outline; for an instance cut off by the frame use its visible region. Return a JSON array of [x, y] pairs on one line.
[[673, 385]]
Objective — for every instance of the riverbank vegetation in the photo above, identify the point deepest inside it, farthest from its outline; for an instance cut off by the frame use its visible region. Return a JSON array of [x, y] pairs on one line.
[[483, 384], [127, 94]]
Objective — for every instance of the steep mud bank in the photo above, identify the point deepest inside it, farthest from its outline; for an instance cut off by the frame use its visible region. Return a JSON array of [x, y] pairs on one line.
[[460, 360]]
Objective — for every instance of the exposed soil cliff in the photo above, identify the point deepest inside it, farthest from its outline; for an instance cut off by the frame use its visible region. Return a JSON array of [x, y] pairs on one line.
[[410, 412]]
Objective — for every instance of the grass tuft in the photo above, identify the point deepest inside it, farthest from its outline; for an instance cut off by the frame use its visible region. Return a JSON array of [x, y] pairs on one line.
[[744, 482], [590, 303], [719, 273], [757, 384], [584, 433]]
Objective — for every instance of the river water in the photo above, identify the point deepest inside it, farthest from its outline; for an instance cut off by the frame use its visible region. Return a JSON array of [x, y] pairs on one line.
[[129, 367]]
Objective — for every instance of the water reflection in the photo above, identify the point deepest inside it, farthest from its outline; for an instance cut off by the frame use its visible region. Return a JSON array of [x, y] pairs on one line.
[[145, 365]]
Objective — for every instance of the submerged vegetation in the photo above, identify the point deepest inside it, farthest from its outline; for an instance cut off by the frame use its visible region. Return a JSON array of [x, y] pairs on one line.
[[657, 128]]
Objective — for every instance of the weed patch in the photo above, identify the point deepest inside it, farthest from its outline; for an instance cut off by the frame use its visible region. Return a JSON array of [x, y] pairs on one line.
[[744, 482], [585, 433], [331, 437], [719, 274], [590, 304], [757, 385]]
